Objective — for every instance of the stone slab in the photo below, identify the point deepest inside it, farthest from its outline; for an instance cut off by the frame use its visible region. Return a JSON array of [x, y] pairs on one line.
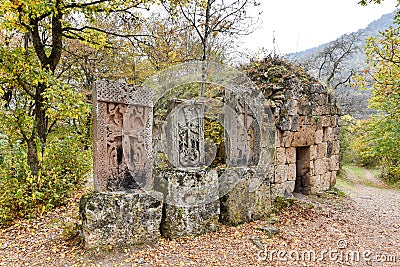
[[249, 200], [120, 219]]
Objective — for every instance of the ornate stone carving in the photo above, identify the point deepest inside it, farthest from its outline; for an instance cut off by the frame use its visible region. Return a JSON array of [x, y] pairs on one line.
[[122, 137], [242, 130], [185, 135], [136, 146]]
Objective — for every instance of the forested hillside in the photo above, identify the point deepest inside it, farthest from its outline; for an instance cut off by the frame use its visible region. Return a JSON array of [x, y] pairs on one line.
[[348, 53]]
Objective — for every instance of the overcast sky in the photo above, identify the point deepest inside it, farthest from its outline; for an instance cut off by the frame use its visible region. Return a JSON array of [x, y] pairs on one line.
[[301, 24]]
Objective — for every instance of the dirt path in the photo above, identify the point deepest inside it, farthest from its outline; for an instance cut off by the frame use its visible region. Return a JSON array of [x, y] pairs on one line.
[[326, 230], [376, 211]]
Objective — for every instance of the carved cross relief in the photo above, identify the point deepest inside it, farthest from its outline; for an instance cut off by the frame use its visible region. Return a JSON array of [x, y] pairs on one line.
[[242, 134], [185, 135], [122, 137]]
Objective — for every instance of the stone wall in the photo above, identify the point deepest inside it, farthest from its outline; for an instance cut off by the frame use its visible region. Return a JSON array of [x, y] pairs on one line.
[[280, 138], [307, 139]]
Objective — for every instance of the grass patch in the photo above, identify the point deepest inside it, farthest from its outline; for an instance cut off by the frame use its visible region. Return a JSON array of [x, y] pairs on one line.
[[336, 191], [280, 203], [376, 172], [356, 171], [361, 175], [342, 181]]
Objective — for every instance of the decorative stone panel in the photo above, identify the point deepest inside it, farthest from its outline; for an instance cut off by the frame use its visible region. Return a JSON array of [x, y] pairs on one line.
[[122, 137]]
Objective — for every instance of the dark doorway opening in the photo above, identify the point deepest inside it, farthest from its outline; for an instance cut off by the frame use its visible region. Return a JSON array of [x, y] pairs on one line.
[[302, 184]]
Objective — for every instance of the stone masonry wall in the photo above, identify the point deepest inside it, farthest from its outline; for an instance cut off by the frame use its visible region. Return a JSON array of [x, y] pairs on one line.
[[307, 139], [295, 150]]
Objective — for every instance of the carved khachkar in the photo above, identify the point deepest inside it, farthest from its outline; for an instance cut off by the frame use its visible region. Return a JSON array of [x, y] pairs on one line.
[[122, 136], [242, 132], [185, 135]]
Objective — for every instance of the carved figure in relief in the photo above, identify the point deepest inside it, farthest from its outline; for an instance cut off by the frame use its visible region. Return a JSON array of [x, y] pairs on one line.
[[116, 164], [115, 114], [244, 136], [135, 149], [122, 140], [189, 137]]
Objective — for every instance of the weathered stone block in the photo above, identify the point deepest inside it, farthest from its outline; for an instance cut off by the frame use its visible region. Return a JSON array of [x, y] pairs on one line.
[[280, 156], [334, 120], [277, 190], [187, 188], [292, 107], [191, 201], [120, 219], [304, 107], [327, 134], [325, 109], [336, 147], [336, 133], [291, 174], [334, 163], [313, 181], [290, 154], [305, 136], [325, 121], [312, 168], [249, 200], [329, 149], [306, 120], [333, 179], [322, 149], [286, 139], [317, 110], [302, 120], [294, 123], [288, 187], [325, 180], [320, 166], [313, 152], [280, 174], [278, 138], [319, 134], [283, 123], [195, 220]]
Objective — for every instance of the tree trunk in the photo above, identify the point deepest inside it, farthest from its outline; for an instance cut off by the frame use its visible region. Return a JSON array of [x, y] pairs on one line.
[[40, 117], [33, 159], [205, 46], [48, 63]]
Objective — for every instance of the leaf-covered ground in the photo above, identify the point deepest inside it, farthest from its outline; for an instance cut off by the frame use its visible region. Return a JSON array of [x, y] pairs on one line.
[[323, 230]]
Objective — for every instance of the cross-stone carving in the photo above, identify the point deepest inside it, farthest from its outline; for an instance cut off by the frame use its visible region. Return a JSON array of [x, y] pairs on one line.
[[122, 137], [185, 134], [242, 132]]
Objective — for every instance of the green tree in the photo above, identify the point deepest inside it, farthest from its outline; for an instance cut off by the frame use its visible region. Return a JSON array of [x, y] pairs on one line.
[[42, 118], [383, 76], [366, 2], [46, 24]]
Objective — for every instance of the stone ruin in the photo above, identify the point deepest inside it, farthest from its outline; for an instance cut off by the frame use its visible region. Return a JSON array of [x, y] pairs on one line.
[[293, 149]]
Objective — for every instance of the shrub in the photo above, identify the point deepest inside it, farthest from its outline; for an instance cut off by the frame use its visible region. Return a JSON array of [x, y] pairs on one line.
[[64, 165]]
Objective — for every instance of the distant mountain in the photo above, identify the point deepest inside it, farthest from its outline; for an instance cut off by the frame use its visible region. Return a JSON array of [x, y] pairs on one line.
[[371, 30], [351, 101]]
